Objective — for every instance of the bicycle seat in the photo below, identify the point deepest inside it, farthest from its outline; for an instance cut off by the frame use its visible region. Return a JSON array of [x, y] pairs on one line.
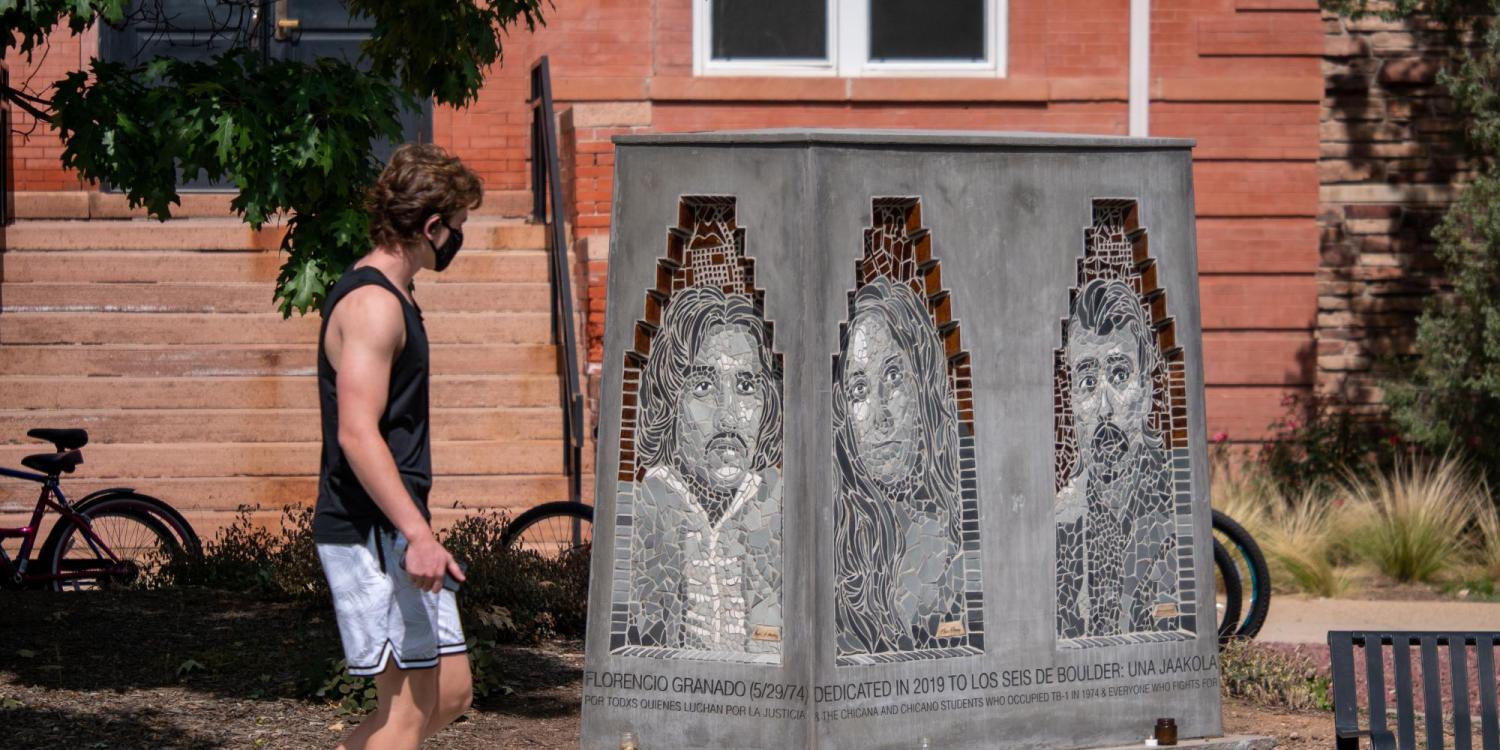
[[53, 464], [65, 440]]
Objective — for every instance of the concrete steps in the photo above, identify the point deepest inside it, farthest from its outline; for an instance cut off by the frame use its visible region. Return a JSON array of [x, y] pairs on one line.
[[178, 266], [224, 459], [228, 360], [250, 297], [241, 392], [273, 425], [265, 328], [163, 340], [218, 494], [226, 233]]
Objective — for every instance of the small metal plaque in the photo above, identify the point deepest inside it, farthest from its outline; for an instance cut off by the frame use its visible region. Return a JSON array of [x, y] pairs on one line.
[[952, 629]]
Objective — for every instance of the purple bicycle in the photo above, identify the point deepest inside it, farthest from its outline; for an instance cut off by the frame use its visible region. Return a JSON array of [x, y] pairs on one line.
[[113, 537]]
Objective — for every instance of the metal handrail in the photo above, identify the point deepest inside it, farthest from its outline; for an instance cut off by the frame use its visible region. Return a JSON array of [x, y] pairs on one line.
[[546, 191]]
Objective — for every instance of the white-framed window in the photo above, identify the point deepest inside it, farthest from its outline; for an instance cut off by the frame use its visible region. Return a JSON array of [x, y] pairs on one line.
[[849, 37]]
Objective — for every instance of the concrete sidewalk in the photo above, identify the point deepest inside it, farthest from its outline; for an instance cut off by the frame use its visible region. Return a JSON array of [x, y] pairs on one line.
[[1295, 619]]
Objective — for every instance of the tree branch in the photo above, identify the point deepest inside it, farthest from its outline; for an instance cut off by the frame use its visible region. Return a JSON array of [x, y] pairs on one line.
[[24, 101]]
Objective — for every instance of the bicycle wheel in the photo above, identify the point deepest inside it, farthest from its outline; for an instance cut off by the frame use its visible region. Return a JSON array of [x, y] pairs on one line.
[[187, 538], [1255, 577], [1228, 593], [550, 529], [142, 543]]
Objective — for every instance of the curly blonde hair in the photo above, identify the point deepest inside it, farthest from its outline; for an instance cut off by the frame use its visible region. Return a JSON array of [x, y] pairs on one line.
[[420, 180]]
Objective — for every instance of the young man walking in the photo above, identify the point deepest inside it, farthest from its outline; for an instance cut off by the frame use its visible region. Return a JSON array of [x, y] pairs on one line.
[[396, 612]]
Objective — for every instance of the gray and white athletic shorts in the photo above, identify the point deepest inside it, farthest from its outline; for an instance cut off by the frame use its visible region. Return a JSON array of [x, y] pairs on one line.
[[381, 614]]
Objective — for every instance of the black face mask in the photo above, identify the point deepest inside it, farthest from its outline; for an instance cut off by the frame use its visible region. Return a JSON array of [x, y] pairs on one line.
[[449, 250]]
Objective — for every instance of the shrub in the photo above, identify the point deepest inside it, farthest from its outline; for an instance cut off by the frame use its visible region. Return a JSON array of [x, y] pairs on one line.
[[514, 596], [510, 596], [1273, 677], [1318, 438], [245, 556], [1412, 517], [1449, 397]]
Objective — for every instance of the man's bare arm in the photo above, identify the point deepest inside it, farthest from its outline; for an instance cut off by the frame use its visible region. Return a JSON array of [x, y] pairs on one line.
[[367, 331]]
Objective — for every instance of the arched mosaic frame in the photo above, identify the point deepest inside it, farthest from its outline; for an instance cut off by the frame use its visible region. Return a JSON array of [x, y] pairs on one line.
[[1116, 252], [677, 538], [907, 561]]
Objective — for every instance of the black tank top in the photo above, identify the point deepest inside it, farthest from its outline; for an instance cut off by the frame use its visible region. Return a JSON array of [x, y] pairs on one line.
[[345, 512]]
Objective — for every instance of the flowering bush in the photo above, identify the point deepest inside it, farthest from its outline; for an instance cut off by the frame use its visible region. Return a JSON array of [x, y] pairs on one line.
[[1318, 439]]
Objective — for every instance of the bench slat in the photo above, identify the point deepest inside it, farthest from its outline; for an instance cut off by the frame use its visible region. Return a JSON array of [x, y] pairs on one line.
[[1406, 731], [1345, 702], [1485, 645], [1375, 682], [1459, 658], [1432, 693]]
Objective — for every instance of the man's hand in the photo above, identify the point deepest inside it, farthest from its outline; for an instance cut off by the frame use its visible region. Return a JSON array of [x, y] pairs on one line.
[[427, 561]]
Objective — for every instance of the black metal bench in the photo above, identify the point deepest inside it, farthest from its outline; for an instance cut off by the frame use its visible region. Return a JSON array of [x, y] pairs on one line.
[[1341, 646]]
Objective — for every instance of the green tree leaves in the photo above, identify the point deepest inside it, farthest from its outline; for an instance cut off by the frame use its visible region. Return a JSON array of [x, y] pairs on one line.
[[440, 49], [1450, 398], [295, 138]]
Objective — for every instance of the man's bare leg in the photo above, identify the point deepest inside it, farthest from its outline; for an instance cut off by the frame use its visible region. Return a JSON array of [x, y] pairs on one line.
[[404, 702], [455, 691]]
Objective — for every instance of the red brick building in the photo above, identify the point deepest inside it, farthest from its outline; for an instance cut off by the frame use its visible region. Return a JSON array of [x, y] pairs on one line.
[[1245, 78]]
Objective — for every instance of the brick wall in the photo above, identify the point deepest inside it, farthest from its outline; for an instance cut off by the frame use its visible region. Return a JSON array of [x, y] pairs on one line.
[[1390, 158], [1240, 76]]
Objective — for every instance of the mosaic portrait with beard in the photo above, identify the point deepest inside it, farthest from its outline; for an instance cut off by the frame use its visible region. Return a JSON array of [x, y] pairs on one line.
[[1116, 542], [705, 514]]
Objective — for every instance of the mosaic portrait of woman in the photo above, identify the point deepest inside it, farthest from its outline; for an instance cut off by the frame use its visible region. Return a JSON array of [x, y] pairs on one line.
[[899, 540]]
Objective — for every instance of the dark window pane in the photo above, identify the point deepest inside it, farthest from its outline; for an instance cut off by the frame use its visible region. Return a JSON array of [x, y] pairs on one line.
[[927, 30], [752, 29]]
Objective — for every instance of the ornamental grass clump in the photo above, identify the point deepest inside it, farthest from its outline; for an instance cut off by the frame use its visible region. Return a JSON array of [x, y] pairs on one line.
[[1241, 490], [1302, 548], [1298, 536], [1411, 519], [1487, 525]]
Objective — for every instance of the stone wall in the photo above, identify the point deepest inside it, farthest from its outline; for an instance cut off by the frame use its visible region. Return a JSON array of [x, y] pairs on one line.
[[1391, 157]]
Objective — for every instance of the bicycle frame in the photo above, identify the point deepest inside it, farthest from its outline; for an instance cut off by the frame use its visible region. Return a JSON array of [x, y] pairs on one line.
[[51, 497]]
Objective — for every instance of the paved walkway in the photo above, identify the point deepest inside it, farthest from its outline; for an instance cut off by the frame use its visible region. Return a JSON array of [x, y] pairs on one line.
[[1300, 620]]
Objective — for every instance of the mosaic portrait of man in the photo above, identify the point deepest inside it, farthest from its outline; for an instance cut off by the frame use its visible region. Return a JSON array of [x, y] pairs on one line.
[[705, 533], [899, 533], [1116, 538]]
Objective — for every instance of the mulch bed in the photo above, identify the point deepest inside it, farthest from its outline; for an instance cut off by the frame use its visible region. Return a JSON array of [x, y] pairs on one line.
[[112, 671], [183, 669], [1318, 654]]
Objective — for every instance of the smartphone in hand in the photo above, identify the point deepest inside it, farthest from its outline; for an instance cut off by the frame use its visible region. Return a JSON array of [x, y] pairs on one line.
[[449, 582]]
